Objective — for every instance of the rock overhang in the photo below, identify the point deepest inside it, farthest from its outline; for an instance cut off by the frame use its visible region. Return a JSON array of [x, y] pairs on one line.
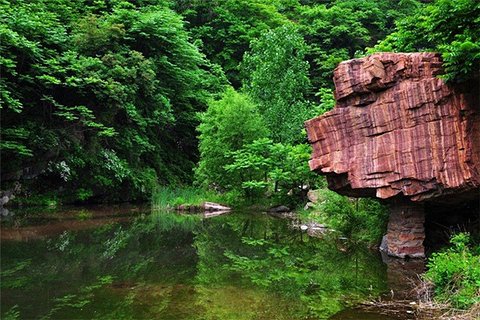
[[398, 130]]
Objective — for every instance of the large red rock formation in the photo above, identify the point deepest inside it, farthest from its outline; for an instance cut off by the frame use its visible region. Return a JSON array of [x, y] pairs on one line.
[[397, 129], [399, 132]]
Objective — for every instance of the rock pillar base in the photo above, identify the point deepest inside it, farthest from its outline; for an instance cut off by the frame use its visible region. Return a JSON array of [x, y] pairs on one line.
[[406, 231]]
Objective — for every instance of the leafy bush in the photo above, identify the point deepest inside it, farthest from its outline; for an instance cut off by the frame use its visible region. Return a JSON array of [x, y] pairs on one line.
[[455, 272], [447, 26], [227, 126], [276, 168], [170, 197], [105, 98], [360, 220]]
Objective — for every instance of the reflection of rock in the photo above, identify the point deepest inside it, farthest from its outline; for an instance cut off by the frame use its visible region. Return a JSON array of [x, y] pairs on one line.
[[313, 229], [402, 276], [6, 196], [278, 209], [212, 214], [282, 215], [400, 302], [281, 212], [206, 206]]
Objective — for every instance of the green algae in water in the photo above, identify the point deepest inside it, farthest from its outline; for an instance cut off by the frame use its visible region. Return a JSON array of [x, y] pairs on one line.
[[170, 266]]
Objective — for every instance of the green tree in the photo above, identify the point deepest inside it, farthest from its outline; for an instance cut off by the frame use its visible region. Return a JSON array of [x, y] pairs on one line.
[[276, 76], [226, 28], [279, 169], [340, 30], [226, 126], [451, 27], [100, 99]]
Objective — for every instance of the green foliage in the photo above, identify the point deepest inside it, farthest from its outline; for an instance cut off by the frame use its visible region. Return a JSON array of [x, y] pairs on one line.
[[360, 220], [264, 166], [451, 27], [79, 300], [10, 277], [455, 272], [165, 197], [340, 30], [12, 313], [239, 265], [226, 126], [276, 77], [317, 273], [47, 199], [108, 94], [226, 28], [84, 215], [100, 98], [327, 101]]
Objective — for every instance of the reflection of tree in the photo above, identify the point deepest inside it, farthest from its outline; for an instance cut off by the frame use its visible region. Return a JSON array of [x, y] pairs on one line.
[[152, 249], [268, 255], [166, 265]]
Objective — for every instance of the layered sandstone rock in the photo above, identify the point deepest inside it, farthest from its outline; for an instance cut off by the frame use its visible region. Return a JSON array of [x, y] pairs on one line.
[[399, 132], [405, 230], [398, 129]]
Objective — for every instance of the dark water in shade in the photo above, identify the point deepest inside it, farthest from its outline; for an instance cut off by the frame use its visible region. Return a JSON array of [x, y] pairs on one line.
[[130, 263]]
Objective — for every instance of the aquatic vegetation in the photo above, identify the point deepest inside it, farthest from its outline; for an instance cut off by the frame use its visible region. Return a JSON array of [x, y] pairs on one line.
[[165, 197]]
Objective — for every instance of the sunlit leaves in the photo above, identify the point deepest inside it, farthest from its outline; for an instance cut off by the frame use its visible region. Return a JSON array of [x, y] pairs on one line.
[[226, 126], [451, 27], [276, 76]]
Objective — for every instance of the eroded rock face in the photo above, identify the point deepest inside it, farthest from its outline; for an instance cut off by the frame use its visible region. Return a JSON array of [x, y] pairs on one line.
[[398, 129], [405, 230], [398, 132]]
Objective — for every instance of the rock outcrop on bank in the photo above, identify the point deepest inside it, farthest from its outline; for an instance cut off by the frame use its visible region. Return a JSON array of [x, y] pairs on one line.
[[203, 207], [398, 131]]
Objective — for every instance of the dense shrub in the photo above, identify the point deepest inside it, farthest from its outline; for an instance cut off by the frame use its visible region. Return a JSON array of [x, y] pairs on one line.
[[360, 220], [455, 272]]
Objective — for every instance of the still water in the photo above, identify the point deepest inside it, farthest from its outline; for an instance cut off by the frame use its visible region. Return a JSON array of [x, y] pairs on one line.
[[131, 263]]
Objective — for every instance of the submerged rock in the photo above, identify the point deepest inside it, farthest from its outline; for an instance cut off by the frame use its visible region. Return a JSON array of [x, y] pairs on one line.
[[281, 212], [211, 214]]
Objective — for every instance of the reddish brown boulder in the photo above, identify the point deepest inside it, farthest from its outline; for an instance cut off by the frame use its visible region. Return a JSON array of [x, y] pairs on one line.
[[398, 130]]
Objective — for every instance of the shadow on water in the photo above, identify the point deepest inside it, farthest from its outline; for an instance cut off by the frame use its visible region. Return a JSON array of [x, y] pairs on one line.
[[128, 263]]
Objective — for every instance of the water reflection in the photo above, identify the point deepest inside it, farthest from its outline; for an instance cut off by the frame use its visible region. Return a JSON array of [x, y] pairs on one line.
[[170, 266]]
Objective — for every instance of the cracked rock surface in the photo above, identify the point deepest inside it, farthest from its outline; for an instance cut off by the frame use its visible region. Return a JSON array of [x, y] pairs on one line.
[[398, 130]]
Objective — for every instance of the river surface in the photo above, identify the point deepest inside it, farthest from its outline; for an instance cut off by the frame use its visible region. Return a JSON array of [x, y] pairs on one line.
[[131, 263]]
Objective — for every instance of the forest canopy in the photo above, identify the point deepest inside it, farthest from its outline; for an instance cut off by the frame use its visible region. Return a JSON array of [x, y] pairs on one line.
[[104, 99]]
